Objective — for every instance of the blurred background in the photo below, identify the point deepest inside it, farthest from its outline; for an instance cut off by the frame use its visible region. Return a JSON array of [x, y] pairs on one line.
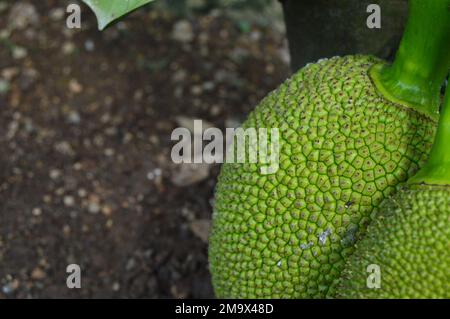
[[85, 124]]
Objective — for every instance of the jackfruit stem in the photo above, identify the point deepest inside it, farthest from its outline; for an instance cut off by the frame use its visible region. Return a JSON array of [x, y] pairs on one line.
[[437, 170], [422, 61]]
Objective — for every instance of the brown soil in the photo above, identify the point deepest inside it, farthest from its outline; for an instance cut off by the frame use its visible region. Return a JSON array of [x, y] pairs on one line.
[[85, 131]]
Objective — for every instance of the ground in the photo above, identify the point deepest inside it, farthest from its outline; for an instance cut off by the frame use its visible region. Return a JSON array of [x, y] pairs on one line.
[[85, 123]]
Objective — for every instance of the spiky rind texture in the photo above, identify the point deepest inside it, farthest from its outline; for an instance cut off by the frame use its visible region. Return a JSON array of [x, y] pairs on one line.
[[409, 240], [344, 148]]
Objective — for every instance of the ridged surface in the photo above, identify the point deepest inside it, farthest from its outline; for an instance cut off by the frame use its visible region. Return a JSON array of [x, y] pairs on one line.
[[410, 241], [344, 148]]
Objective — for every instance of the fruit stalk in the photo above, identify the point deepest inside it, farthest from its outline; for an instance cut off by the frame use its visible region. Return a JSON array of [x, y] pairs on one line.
[[422, 62], [437, 169]]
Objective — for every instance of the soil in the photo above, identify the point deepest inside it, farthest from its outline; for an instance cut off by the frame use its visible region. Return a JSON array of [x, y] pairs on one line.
[[85, 124]]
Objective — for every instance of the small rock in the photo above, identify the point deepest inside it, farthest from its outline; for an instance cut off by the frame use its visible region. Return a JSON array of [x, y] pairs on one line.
[[209, 86], [75, 86], [107, 210], [4, 86], [64, 148], [10, 287], [196, 90], [69, 201], [131, 263], [255, 35], [36, 211], [89, 45], [57, 14], [109, 223], [73, 117], [284, 55], [66, 230], [68, 48], [215, 110], [182, 31], [82, 192], [109, 152], [28, 125], [154, 174], [19, 53], [189, 174], [9, 73], [201, 228], [179, 76], [116, 286], [55, 174], [22, 15], [94, 204], [94, 208], [38, 274]]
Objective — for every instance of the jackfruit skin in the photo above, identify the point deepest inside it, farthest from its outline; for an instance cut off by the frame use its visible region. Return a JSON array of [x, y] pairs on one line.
[[343, 149], [409, 239]]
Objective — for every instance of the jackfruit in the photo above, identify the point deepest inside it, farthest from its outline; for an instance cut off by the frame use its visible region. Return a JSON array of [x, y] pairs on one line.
[[344, 148], [406, 252]]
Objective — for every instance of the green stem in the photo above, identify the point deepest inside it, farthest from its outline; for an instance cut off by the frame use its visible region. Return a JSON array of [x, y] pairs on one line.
[[437, 169], [422, 61]]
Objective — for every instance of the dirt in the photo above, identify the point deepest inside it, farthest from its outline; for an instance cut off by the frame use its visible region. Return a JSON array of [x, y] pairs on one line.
[[85, 123]]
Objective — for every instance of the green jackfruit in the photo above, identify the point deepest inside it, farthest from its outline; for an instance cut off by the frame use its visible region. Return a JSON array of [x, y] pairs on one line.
[[344, 147], [409, 243]]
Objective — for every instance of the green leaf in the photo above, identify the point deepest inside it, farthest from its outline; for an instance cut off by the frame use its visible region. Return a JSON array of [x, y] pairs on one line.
[[110, 10]]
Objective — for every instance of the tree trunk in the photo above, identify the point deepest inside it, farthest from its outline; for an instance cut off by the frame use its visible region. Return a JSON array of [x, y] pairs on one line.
[[325, 28]]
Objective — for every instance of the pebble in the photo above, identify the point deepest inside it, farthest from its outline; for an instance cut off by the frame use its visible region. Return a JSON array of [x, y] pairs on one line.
[[116, 286], [57, 14], [66, 230], [94, 204], [109, 152], [64, 148], [201, 228], [94, 208], [182, 31], [196, 90], [36, 211], [109, 223], [75, 86], [179, 76], [107, 210], [4, 86], [215, 110], [9, 73], [10, 287], [69, 201], [131, 263], [38, 274], [154, 174], [55, 174], [189, 174], [68, 48], [19, 53], [82, 192], [73, 117], [89, 45], [22, 15]]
